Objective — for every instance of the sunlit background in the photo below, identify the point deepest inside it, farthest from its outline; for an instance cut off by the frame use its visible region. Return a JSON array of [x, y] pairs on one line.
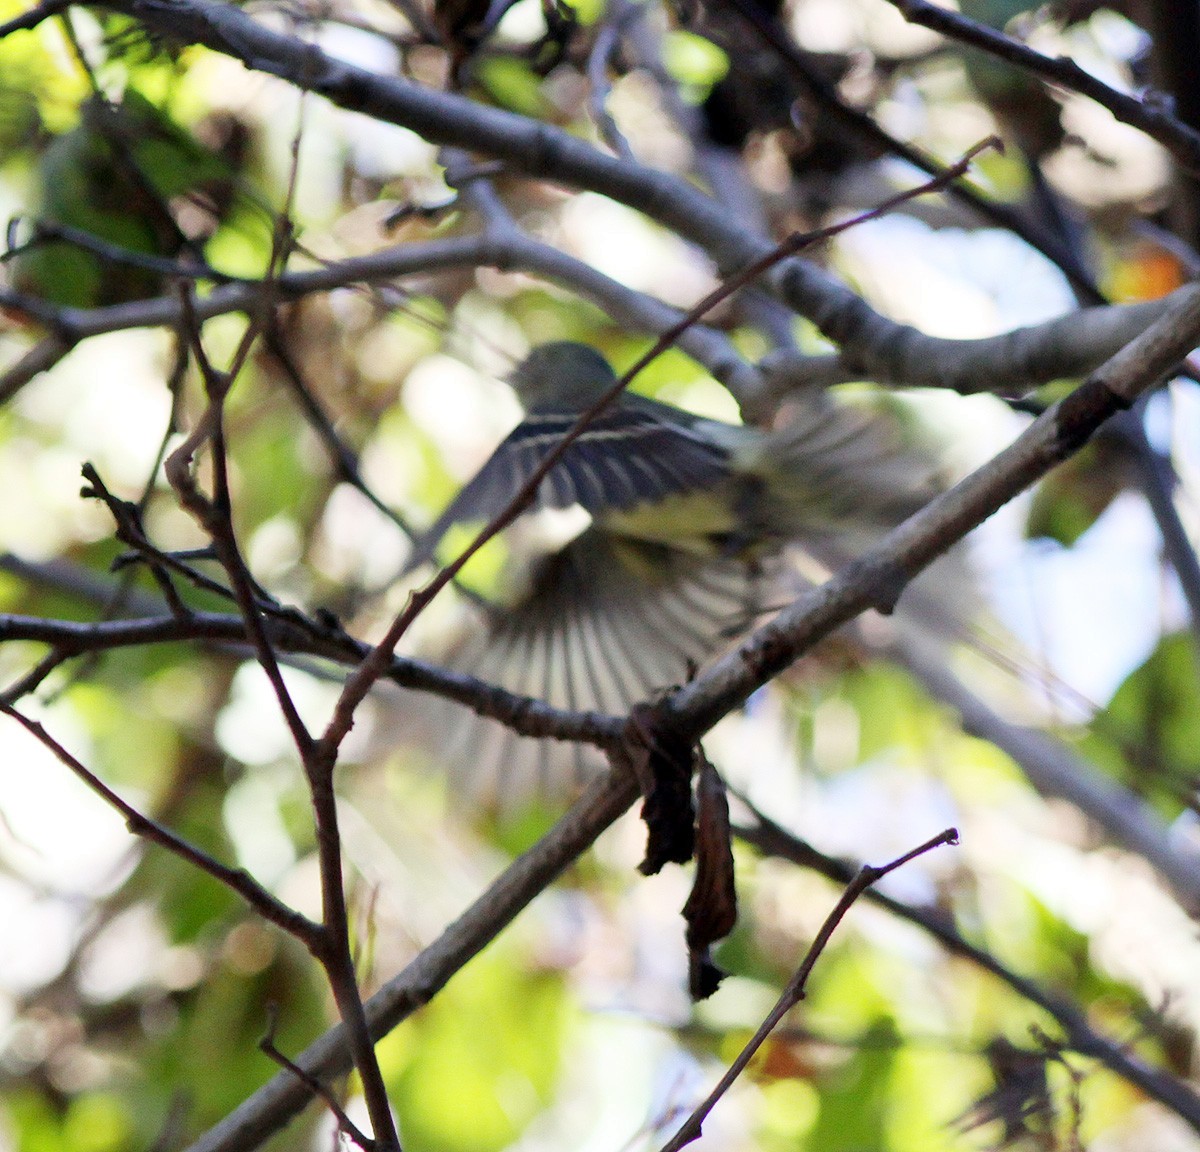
[[133, 991]]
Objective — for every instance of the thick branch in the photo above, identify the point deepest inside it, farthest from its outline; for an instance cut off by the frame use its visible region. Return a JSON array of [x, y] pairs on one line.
[[1060, 349], [877, 579], [504, 250], [271, 1107], [546, 152]]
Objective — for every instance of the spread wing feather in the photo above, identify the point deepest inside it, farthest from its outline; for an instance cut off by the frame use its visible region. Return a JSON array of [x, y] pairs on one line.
[[593, 634]]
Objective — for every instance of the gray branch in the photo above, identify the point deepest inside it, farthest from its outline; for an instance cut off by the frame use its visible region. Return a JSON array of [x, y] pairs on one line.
[[266, 1112], [502, 247], [875, 580], [878, 347], [1054, 770]]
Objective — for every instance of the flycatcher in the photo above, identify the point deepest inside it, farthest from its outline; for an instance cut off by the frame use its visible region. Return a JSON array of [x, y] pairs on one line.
[[690, 520]]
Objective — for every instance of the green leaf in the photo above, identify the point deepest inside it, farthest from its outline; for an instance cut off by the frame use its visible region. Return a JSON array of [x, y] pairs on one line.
[[694, 61], [513, 85], [1077, 493], [114, 177], [1150, 732], [855, 1096]]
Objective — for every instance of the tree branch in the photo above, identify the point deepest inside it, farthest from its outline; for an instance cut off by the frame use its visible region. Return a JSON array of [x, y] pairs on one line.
[[1153, 118], [877, 578], [793, 993], [877, 345], [774, 840], [271, 1107], [236, 879]]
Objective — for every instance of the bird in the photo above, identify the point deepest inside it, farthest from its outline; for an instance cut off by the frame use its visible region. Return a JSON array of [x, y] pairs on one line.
[[690, 520]]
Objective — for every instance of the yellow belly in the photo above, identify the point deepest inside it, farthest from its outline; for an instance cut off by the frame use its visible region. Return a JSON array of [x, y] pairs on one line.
[[693, 522]]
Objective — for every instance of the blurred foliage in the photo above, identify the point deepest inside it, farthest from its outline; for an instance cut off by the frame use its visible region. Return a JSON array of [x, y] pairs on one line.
[[468, 1073], [114, 177], [134, 990], [1071, 500], [1148, 735]]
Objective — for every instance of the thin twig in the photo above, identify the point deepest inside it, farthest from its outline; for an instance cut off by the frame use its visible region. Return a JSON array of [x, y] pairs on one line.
[[331, 945], [774, 840], [1158, 484], [237, 879], [214, 515], [291, 632], [605, 45], [344, 459], [123, 590], [266, 1112], [34, 677], [866, 876], [267, 1046], [46, 232]]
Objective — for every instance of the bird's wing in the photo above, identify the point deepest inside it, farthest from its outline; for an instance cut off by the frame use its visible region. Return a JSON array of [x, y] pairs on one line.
[[609, 621], [627, 456]]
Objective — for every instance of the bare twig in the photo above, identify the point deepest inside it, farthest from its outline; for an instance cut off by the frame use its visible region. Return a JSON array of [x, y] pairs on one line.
[[331, 945], [129, 531], [52, 232], [604, 47], [32, 679], [293, 633], [215, 515], [264, 1113], [1158, 483], [866, 876], [344, 459], [318, 1088], [1081, 1036], [237, 879], [1152, 117]]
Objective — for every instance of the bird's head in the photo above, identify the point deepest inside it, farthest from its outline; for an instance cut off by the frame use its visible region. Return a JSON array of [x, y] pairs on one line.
[[562, 374]]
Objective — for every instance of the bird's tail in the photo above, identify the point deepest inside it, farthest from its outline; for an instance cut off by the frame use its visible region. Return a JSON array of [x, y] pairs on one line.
[[837, 475], [845, 469]]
